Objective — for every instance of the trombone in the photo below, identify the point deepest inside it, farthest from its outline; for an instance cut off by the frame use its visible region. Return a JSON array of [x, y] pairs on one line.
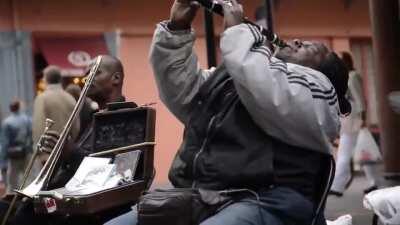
[[42, 180]]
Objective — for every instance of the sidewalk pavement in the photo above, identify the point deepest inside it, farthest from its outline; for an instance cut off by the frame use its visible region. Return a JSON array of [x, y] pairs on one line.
[[350, 203]]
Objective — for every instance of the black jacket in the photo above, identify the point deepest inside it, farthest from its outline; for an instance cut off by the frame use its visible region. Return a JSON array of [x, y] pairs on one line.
[[224, 148]]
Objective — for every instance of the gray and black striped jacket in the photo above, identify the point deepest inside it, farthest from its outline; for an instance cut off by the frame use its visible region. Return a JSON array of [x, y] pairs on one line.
[[294, 104]]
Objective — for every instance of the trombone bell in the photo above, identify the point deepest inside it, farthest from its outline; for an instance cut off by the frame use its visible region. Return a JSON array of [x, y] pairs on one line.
[[32, 189]]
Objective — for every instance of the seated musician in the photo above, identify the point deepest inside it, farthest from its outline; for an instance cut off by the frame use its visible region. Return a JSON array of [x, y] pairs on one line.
[[106, 88], [258, 123]]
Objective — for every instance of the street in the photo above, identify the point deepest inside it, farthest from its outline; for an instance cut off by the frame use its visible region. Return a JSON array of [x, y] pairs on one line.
[[350, 203]]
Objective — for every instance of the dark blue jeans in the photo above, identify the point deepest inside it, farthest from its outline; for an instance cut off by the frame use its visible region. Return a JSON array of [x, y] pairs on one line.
[[277, 206]]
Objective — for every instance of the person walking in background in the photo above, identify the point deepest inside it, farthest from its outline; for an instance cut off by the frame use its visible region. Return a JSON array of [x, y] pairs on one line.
[[56, 104], [350, 128], [16, 144]]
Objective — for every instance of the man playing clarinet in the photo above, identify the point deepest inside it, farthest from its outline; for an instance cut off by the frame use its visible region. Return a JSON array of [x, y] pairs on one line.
[[259, 124]]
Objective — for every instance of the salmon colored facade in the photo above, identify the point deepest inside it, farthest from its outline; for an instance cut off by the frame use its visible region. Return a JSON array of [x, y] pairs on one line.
[[334, 22]]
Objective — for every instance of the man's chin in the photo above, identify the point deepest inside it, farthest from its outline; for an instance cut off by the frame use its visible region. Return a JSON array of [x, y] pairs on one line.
[[285, 53], [280, 55]]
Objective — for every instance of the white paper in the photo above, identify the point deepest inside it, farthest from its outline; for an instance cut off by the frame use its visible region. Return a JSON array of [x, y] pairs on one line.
[[113, 181], [91, 175], [96, 174]]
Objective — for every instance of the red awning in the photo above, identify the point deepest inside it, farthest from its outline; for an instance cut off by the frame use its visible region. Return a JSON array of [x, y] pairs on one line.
[[71, 54]]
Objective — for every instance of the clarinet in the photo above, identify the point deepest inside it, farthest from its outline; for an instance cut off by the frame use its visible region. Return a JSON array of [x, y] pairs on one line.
[[215, 7]]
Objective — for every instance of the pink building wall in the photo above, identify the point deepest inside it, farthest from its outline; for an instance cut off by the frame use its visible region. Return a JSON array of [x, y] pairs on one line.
[[136, 19], [140, 87], [293, 18]]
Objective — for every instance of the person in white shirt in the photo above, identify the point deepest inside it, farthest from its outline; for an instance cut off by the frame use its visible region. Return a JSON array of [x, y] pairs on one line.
[[350, 128]]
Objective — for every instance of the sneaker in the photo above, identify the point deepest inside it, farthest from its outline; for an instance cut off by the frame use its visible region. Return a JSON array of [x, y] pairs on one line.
[[343, 220], [372, 188]]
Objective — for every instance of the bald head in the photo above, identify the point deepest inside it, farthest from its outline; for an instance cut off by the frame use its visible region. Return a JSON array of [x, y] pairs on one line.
[[52, 74], [111, 63], [107, 84]]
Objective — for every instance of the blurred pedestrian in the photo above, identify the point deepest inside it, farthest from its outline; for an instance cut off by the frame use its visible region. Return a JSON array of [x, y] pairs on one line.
[[17, 143], [54, 103], [350, 128]]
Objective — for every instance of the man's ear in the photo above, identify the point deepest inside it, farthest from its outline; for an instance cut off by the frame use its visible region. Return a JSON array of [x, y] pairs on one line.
[[116, 78]]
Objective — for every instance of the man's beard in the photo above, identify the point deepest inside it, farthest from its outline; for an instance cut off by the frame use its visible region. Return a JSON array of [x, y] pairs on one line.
[[284, 54]]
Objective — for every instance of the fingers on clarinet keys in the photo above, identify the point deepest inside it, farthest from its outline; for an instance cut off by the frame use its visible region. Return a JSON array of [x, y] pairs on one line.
[[235, 8], [228, 2], [233, 13]]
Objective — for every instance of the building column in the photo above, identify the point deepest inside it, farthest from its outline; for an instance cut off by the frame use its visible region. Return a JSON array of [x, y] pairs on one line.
[[341, 45], [16, 69], [386, 40]]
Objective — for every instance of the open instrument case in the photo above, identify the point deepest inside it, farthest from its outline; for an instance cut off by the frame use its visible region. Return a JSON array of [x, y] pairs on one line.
[[116, 131]]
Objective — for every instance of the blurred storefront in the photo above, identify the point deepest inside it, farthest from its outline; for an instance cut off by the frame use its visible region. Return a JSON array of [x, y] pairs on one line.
[[72, 53], [126, 27], [16, 69]]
